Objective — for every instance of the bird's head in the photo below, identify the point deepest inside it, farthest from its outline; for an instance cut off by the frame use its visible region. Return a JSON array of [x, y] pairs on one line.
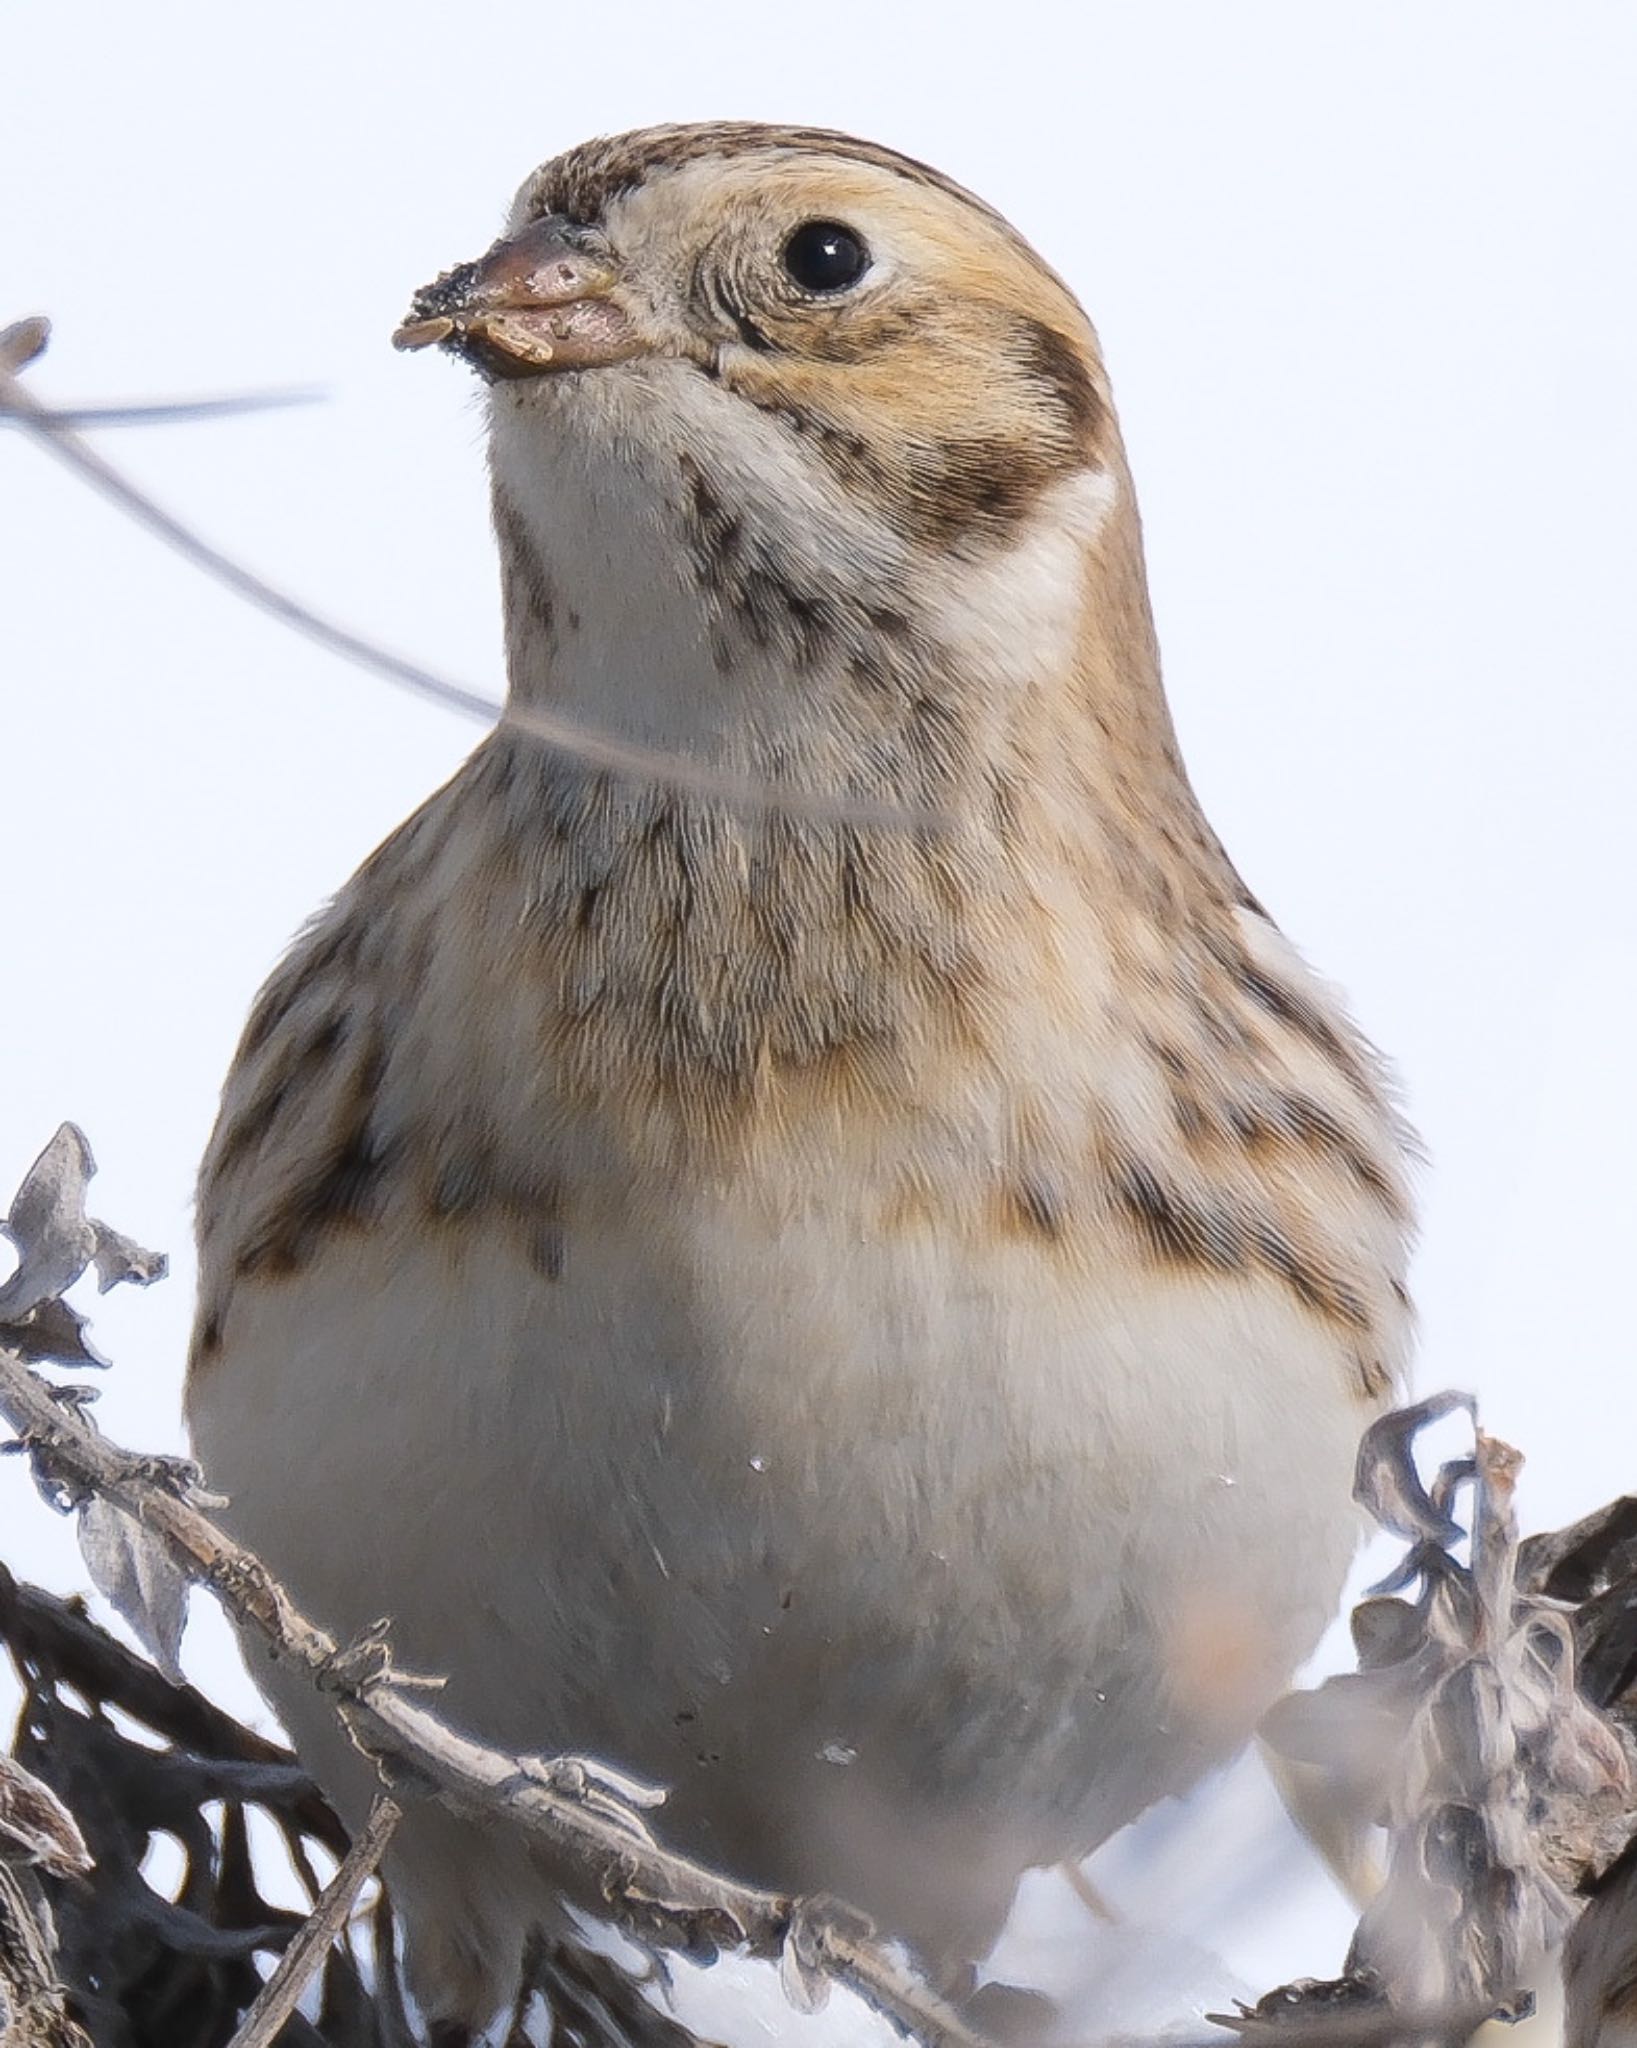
[[875, 311], [769, 399]]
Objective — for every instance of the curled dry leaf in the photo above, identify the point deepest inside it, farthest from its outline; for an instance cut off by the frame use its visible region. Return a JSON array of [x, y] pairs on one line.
[[135, 1572], [1386, 1480], [55, 1242], [1463, 1735], [802, 1976], [54, 1334], [36, 1827], [118, 1258]]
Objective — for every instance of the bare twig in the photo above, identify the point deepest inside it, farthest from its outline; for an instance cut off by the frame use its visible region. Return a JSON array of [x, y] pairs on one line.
[[282, 1991], [166, 412], [583, 743]]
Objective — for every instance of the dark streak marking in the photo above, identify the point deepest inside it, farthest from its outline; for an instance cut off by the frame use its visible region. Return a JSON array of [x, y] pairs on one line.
[[1283, 1003], [1005, 804], [247, 1131], [744, 579], [1057, 362], [273, 1007], [1224, 1238], [461, 1185], [520, 564], [474, 1181], [715, 532], [1312, 1122], [749, 333], [1183, 1229], [979, 488], [1374, 1378], [1318, 1289], [1190, 1116], [1036, 1207], [547, 1250], [344, 1190], [335, 950]]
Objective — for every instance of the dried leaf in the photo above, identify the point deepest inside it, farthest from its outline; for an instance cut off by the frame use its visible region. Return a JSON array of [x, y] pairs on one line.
[[54, 1333], [55, 1242], [1352, 1725], [1386, 1632], [35, 1824], [48, 1225], [1600, 1963], [118, 1258], [802, 1975], [1500, 1786], [1587, 1558], [135, 1573], [1386, 1481], [22, 341]]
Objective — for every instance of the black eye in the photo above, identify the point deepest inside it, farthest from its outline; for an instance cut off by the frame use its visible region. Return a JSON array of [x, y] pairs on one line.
[[823, 256]]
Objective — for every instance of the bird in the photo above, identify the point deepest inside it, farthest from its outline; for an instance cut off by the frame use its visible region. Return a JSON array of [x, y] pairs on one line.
[[841, 1273]]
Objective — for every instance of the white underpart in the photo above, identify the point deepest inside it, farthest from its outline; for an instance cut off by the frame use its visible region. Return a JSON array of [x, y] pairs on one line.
[[1106, 1517]]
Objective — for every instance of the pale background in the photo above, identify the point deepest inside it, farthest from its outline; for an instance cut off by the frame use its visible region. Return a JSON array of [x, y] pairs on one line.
[[1364, 274]]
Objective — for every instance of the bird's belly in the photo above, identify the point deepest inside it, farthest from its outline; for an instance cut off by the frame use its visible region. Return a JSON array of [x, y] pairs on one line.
[[810, 1527]]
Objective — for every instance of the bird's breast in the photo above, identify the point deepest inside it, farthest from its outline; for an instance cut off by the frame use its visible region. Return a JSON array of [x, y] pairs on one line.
[[764, 1445]]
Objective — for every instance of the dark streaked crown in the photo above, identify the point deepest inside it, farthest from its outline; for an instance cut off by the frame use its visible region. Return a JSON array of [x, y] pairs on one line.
[[584, 181]]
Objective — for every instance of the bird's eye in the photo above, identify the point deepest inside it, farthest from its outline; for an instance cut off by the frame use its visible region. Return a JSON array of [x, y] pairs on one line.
[[823, 256]]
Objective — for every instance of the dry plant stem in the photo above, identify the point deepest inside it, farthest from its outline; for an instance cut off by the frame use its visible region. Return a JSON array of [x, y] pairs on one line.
[[1088, 1895], [663, 1898], [170, 412], [54, 432], [1380, 2026], [282, 1991], [33, 2012]]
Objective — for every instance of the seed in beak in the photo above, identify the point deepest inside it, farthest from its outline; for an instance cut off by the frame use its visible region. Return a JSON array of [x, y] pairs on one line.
[[422, 333]]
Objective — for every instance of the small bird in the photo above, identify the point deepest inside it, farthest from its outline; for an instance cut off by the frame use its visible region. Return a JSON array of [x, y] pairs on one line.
[[846, 1280]]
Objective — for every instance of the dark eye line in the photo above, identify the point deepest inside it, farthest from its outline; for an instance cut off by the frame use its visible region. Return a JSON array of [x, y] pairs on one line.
[[751, 335], [715, 291]]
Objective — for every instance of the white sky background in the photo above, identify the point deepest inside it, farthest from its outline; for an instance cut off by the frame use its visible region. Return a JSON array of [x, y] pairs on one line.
[[1364, 275]]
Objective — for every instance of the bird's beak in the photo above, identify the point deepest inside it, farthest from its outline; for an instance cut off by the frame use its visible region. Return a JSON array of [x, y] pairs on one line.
[[539, 301]]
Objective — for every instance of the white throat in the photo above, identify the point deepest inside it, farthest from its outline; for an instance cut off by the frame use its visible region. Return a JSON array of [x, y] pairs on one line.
[[678, 573]]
